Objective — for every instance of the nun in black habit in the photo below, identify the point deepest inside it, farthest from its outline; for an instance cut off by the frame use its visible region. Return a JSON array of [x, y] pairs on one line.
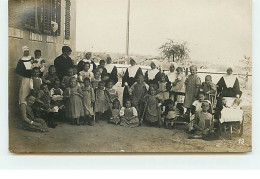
[[130, 78]]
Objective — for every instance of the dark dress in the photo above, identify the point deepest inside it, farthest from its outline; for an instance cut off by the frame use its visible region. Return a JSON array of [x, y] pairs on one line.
[[153, 80], [111, 74], [224, 91], [29, 114], [130, 81], [153, 111], [62, 64]]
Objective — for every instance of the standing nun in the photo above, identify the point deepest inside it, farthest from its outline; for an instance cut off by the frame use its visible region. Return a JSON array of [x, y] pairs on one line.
[[24, 69], [130, 78], [152, 76], [82, 63], [110, 72]]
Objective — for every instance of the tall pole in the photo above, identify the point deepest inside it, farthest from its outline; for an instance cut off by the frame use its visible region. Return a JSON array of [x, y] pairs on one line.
[[127, 33]]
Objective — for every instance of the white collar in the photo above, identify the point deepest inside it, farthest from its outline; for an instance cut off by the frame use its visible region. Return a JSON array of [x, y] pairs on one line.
[[26, 58], [229, 80], [86, 60], [152, 73], [171, 76], [109, 67], [132, 70]]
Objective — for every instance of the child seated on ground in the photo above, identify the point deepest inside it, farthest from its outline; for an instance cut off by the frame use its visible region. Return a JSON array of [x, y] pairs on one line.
[[115, 112], [35, 81], [129, 115], [50, 77], [101, 102], [152, 109], [170, 113], [208, 87], [30, 122], [203, 121], [96, 79], [88, 101], [196, 107], [86, 73]]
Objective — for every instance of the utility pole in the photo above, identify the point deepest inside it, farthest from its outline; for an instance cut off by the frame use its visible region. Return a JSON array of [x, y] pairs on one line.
[[127, 33]]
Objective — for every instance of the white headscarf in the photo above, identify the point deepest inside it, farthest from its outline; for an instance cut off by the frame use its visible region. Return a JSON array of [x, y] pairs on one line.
[[25, 48]]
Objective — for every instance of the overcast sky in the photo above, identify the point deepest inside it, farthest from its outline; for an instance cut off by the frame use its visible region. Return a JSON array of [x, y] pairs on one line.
[[214, 29]]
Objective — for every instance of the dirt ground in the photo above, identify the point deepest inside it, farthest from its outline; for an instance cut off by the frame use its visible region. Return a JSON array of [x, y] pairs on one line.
[[104, 137]]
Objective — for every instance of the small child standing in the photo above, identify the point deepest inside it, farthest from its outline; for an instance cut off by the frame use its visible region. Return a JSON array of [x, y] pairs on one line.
[[86, 73], [178, 89], [129, 115], [164, 88], [115, 113], [74, 105], [35, 81], [137, 91], [152, 109], [208, 87], [66, 79], [96, 79], [50, 77], [203, 122], [101, 101], [193, 84], [88, 101]]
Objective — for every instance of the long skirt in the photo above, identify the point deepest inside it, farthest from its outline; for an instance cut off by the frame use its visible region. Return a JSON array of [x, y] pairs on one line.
[[30, 127], [134, 122], [24, 89]]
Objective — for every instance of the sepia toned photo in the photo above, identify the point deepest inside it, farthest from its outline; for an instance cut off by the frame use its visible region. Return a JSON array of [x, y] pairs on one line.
[[130, 76]]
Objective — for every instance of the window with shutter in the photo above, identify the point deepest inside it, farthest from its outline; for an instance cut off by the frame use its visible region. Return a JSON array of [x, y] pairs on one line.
[[35, 15], [67, 20]]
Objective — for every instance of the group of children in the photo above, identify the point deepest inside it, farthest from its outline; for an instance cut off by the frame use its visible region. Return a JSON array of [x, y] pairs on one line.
[[83, 97]]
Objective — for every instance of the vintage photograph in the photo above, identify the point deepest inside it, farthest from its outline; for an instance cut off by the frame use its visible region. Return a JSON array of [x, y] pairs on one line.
[[130, 76]]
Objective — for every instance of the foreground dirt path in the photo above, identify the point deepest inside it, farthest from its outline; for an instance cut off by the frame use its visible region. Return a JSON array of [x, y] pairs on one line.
[[105, 137]]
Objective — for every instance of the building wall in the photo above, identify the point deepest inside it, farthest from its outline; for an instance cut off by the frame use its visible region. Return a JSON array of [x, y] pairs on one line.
[[49, 50]]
